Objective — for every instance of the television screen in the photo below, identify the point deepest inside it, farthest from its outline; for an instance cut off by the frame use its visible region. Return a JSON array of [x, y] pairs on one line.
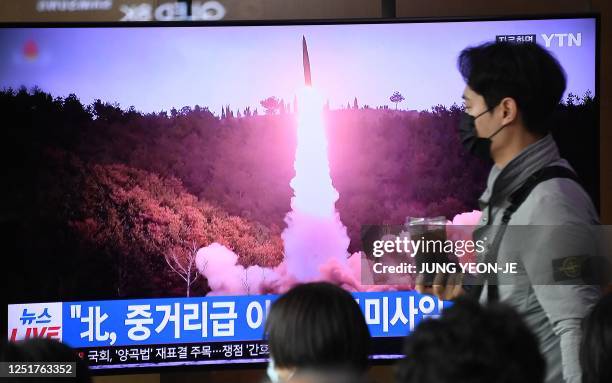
[[163, 183]]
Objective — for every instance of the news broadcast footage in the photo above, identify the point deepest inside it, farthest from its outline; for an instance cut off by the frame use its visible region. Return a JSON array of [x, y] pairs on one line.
[[164, 184]]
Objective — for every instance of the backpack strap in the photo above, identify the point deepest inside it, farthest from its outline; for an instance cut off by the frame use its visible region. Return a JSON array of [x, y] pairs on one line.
[[516, 199], [544, 174]]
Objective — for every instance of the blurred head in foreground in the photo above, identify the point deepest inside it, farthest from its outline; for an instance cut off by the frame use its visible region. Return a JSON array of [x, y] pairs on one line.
[[316, 326], [596, 347], [472, 343]]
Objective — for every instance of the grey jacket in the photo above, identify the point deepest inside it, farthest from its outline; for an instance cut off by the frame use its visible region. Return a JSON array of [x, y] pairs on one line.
[[552, 311]]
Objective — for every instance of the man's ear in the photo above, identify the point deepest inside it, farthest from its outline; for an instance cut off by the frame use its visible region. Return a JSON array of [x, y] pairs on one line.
[[509, 110]]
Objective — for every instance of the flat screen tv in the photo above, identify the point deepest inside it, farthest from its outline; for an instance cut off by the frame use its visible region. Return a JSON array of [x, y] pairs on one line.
[[162, 183]]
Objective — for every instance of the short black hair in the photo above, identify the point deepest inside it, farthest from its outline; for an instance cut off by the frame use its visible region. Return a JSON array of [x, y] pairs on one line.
[[329, 376], [596, 344], [319, 326], [526, 72], [472, 343]]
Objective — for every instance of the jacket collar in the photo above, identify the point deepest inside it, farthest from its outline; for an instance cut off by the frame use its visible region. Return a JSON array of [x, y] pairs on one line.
[[502, 182]]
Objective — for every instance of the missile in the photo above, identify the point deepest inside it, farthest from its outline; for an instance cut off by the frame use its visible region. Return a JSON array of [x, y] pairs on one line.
[[307, 78]]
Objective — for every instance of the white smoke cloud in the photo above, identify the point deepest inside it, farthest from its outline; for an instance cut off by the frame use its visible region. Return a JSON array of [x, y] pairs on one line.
[[219, 265], [325, 259], [311, 241]]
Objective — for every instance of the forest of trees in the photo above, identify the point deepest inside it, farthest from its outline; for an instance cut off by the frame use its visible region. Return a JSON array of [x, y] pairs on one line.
[[111, 202]]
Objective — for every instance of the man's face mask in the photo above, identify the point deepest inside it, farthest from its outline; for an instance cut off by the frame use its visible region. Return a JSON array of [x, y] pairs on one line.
[[478, 146], [272, 373]]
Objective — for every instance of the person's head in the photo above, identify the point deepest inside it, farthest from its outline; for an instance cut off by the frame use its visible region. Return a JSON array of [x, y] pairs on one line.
[[317, 326], [328, 376], [596, 344], [45, 350], [514, 86], [472, 343]]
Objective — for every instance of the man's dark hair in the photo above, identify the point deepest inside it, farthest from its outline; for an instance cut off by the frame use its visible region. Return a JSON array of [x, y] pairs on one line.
[[319, 326], [526, 72], [596, 346], [472, 343]]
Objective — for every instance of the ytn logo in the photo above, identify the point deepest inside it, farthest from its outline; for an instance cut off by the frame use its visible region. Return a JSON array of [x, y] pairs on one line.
[[563, 39]]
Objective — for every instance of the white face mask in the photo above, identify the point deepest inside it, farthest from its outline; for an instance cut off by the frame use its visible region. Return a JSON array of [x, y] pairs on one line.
[[272, 373]]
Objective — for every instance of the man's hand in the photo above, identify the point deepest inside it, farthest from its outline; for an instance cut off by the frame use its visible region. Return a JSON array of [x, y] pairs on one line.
[[444, 286]]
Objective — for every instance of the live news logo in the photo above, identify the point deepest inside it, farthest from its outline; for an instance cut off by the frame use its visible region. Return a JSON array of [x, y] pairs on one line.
[[52, 332]]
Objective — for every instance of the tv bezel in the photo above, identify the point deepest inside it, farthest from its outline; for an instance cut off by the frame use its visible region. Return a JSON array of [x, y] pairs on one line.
[[310, 22]]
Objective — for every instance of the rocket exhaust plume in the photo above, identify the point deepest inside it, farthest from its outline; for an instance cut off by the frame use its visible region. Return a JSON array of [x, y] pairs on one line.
[[314, 236], [315, 241]]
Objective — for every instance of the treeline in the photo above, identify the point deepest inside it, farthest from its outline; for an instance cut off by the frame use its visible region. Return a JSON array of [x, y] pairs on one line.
[[112, 192]]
